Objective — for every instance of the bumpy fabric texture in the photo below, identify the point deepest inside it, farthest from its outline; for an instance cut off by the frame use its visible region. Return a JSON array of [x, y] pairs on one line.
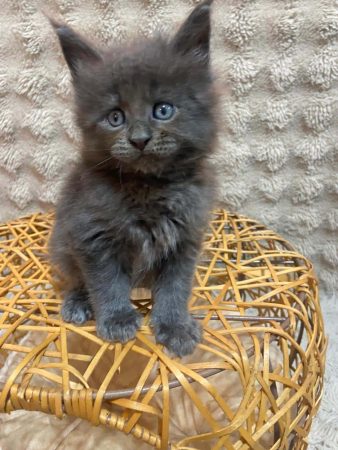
[[277, 70], [324, 432]]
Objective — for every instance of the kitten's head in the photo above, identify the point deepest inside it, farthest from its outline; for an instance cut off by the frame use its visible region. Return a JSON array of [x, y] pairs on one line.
[[147, 106]]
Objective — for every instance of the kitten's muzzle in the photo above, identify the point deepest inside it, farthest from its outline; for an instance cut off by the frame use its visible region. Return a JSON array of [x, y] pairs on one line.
[[140, 143], [139, 135]]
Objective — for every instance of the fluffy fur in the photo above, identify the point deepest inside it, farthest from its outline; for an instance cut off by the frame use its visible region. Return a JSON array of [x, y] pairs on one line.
[[134, 209]]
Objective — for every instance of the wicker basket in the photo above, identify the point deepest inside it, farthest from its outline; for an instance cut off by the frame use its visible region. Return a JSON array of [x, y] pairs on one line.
[[255, 382]]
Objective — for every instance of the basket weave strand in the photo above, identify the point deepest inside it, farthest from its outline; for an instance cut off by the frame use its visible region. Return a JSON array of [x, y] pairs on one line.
[[257, 300]]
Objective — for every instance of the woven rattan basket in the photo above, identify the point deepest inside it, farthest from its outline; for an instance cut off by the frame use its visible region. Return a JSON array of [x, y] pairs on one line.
[[255, 382]]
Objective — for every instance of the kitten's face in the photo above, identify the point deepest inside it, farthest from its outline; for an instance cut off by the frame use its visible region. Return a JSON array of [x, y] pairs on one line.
[[143, 107]]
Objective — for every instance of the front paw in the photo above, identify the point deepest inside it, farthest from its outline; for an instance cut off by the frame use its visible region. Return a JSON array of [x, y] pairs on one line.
[[76, 307], [120, 327], [180, 338]]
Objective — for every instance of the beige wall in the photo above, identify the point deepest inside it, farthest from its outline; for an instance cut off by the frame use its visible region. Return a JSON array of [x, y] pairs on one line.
[[277, 65]]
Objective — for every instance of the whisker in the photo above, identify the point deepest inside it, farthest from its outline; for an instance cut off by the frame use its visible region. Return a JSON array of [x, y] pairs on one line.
[[102, 162]]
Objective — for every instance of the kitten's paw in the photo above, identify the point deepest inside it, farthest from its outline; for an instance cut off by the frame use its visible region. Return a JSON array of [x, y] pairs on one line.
[[76, 307], [121, 327], [180, 338]]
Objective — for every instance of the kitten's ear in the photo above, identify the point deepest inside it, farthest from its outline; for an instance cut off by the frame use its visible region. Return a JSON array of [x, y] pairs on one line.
[[75, 48], [194, 34]]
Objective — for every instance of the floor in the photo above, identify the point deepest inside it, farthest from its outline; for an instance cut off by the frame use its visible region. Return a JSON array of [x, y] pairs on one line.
[[324, 434]]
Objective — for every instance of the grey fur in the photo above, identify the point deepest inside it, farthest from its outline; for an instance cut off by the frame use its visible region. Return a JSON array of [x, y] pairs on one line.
[[128, 215]]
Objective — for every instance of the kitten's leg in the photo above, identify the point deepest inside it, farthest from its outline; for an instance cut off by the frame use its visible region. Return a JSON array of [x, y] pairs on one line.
[[173, 325], [76, 307], [109, 287]]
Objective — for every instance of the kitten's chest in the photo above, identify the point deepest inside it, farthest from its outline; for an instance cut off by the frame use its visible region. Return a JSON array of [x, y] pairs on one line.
[[149, 204]]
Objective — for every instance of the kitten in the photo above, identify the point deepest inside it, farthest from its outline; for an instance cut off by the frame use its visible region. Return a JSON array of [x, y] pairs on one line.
[[136, 205]]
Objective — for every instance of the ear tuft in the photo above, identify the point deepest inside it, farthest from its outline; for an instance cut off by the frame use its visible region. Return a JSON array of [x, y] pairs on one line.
[[194, 34], [75, 48]]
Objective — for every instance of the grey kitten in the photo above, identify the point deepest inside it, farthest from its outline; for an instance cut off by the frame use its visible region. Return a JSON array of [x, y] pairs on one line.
[[135, 207]]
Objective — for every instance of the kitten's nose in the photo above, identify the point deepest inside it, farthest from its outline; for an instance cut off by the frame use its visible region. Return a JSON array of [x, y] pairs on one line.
[[140, 142]]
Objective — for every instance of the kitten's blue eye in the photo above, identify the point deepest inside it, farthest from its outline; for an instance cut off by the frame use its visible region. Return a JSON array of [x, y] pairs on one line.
[[116, 118], [163, 111]]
